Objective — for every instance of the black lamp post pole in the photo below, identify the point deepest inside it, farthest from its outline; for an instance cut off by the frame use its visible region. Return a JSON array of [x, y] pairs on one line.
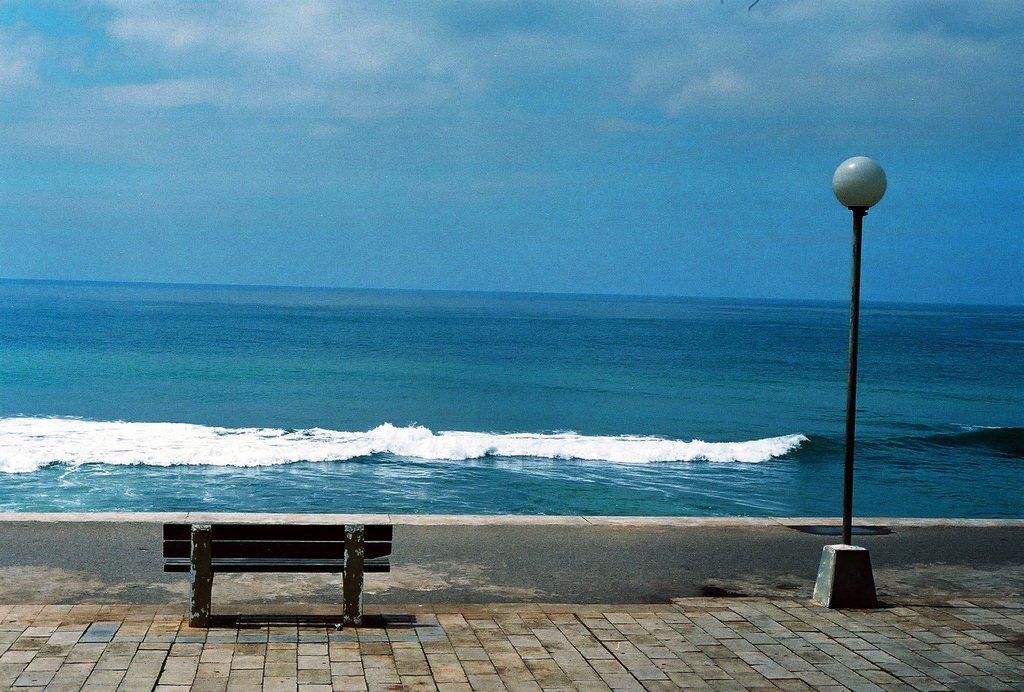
[[851, 379]]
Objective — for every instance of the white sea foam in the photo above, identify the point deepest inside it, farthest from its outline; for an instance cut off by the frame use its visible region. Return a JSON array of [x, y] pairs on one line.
[[27, 444]]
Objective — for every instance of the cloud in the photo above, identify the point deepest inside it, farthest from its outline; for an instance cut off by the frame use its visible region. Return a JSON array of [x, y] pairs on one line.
[[812, 62], [721, 85], [167, 93], [312, 35], [622, 126], [171, 31], [19, 59], [346, 59]]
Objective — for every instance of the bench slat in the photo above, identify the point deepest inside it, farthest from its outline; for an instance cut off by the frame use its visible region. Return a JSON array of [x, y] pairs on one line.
[[279, 532], [276, 565], [284, 549]]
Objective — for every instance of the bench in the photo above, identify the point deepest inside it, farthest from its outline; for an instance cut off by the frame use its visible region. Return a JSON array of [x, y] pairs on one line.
[[202, 550]]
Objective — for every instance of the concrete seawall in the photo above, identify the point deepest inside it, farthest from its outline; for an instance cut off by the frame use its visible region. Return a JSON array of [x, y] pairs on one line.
[[116, 558]]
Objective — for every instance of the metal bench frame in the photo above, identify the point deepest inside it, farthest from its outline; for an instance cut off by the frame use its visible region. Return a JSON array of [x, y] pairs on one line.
[[202, 565]]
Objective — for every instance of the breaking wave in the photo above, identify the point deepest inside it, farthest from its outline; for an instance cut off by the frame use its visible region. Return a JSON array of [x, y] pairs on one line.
[[28, 444]]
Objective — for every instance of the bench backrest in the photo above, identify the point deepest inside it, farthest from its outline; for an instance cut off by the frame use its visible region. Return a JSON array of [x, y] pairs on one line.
[[277, 547]]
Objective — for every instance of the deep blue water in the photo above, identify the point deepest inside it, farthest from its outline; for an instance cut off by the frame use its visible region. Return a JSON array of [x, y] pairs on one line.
[[940, 427]]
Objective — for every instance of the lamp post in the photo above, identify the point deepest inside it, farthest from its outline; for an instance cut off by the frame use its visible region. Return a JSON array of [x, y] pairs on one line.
[[845, 579]]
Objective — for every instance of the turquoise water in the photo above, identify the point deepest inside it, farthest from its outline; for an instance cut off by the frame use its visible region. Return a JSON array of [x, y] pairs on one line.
[[330, 400]]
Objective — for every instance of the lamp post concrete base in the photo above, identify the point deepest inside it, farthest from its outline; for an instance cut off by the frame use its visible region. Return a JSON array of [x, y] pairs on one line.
[[845, 579]]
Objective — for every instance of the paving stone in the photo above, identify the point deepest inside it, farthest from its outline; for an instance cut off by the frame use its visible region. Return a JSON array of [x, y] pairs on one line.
[[247, 662], [280, 669], [20, 656], [179, 670], [84, 652], [42, 663], [104, 680], [316, 677], [100, 632], [243, 680], [348, 682], [348, 668], [280, 684], [38, 678]]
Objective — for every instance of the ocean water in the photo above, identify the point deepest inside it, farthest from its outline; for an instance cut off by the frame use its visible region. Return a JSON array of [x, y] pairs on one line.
[[143, 397]]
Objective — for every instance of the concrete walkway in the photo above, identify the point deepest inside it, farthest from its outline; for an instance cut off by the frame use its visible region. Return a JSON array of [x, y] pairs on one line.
[[688, 643], [116, 558]]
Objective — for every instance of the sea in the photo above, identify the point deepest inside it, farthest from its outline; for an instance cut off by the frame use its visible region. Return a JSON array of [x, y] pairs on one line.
[[144, 397]]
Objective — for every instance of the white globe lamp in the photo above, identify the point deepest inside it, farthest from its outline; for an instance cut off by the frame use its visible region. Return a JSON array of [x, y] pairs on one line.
[[859, 183]]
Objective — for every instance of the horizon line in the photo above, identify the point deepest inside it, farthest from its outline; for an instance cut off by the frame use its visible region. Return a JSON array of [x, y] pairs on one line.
[[526, 293]]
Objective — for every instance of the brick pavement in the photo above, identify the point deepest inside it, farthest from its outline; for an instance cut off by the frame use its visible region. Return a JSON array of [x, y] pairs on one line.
[[721, 644]]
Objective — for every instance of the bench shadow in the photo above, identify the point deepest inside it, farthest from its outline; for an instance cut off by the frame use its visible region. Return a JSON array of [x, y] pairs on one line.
[[392, 621]]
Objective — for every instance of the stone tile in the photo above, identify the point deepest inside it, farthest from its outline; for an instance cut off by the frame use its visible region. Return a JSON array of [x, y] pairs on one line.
[[20, 656], [38, 678], [85, 652], [179, 670], [247, 662], [280, 684], [348, 682], [314, 662], [104, 680], [280, 669], [100, 632], [315, 677], [42, 663], [71, 675], [244, 680]]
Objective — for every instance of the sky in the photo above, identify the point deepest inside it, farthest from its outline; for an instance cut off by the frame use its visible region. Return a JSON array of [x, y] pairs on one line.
[[583, 146]]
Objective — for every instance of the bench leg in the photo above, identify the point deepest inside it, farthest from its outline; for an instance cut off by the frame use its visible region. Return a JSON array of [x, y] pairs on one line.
[[352, 583], [200, 577]]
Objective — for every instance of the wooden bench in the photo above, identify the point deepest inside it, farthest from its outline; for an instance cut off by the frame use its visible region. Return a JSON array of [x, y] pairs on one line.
[[202, 550]]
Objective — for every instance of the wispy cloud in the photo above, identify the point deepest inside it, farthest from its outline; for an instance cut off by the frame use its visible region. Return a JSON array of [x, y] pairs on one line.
[[169, 93], [724, 85], [356, 60], [20, 54]]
